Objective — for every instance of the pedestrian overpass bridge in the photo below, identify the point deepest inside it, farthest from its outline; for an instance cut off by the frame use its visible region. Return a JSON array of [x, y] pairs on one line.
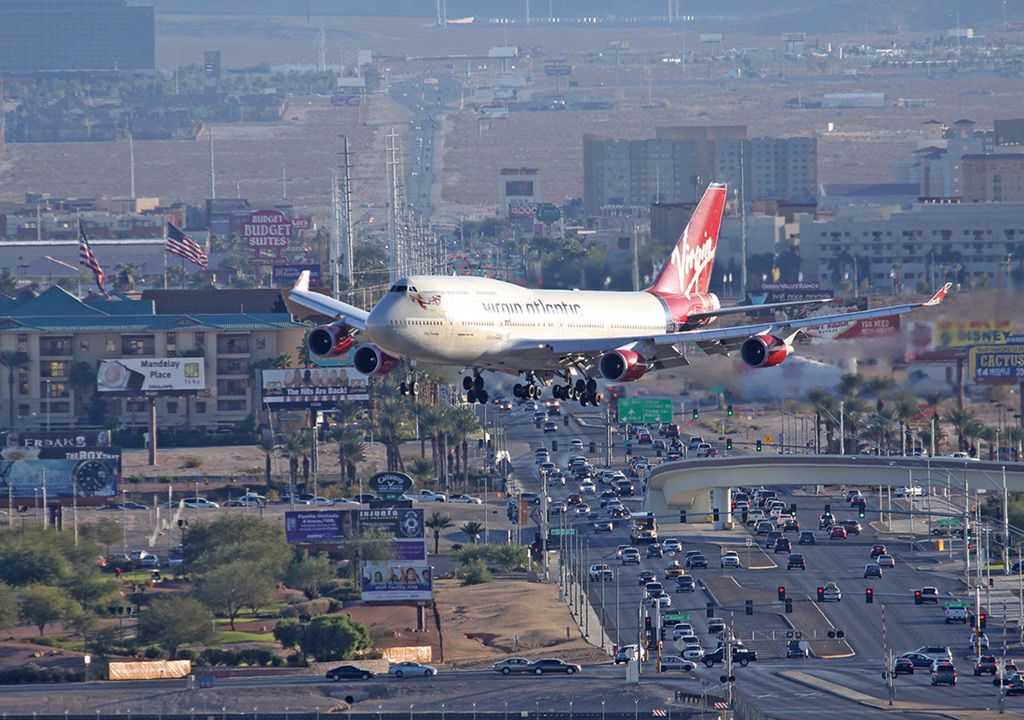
[[701, 486]]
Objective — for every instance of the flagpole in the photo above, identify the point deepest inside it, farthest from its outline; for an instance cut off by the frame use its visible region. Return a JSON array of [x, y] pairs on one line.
[[80, 295], [163, 251]]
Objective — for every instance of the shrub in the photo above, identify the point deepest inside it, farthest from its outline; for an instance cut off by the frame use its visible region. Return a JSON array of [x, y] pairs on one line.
[[256, 656], [310, 608], [192, 462], [153, 652], [218, 656], [477, 573], [187, 654]]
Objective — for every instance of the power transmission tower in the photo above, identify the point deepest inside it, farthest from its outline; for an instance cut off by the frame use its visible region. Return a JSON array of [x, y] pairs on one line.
[[397, 216]]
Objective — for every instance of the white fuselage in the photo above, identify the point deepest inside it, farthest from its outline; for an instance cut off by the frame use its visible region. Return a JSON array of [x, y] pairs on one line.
[[475, 322]]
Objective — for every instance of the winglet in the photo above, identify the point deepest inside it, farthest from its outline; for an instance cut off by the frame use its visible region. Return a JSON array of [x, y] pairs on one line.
[[302, 282], [939, 296]]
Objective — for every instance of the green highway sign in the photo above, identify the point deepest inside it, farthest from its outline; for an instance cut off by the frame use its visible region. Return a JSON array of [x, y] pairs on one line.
[[563, 531], [957, 605], [677, 617], [947, 523], [645, 410]]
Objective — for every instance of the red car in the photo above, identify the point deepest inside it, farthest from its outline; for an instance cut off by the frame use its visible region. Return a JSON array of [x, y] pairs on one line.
[[877, 550], [839, 532]]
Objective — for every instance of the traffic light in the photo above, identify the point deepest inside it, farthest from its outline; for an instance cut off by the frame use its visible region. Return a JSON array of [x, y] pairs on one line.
[[682, 516], [750, 607], [757, 446], [982, 619], [917, 597], [782, 592], [648, 625], [869, 595], [711, 610], [821, 594], [789, 605], [696, 414], [728, 410], [728, 443], [860, 508]]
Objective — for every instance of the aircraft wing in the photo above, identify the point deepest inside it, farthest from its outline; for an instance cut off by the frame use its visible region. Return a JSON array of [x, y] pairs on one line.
[[320, 304], [751, 309], [719, 340]]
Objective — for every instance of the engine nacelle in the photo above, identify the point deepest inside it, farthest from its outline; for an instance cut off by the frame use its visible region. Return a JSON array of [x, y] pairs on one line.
[[622, 366], [371, 360], [331, 340], [761, 351]]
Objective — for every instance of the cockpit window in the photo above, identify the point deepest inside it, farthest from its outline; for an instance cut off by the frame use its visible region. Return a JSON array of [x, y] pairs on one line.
[[398, 288]]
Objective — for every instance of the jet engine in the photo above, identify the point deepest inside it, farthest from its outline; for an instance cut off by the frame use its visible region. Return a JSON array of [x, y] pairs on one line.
[[622, 366], [371, 360], [762, 351], [331, 340]]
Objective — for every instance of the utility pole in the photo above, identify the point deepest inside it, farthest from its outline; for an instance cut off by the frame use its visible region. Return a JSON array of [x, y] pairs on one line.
[[131, 166], [888, 672], [842, 430], [213, 174], [743, 228], [544, 523]]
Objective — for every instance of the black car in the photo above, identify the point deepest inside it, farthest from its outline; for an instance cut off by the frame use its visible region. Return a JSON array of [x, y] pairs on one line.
[[696, 561], [796, 561], [648, 576], [770, 541], [917, 659], [806, 538], [655, 551], [348, 672], [797, 649], [740, 655], [686, 583], [986, 664], [852, 526], [903, 666], [553, 665], [783, 545]]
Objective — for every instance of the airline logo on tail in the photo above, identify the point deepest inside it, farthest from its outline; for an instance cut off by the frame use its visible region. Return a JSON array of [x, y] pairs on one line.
[[687, 271]]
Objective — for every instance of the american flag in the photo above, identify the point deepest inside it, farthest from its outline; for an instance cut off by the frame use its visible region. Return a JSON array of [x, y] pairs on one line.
[[182, 245], [87, 259]]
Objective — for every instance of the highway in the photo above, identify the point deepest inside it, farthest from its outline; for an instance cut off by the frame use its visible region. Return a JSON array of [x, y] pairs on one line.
[[908, 626]]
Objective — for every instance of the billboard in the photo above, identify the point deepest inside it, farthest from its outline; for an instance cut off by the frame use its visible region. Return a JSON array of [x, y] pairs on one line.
[[964, 333], [395, 522], [83, 471], [390, 485], [396, 580], [58, 439], [133, 376], [317, 388], [288, 273], [316, 526], [267, 229], [997, 363]]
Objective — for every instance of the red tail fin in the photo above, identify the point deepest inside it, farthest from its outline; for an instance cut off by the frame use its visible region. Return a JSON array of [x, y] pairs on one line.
[[688, 269]]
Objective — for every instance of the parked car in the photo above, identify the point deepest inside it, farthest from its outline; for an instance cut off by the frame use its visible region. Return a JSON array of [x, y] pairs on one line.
[[348, 672], [411, 669], [553, 665]]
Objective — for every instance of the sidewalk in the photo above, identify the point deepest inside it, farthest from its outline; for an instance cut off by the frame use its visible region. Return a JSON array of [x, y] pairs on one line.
[[588, 621]]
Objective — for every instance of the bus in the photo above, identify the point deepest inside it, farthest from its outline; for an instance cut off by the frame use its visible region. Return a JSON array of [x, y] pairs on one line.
[[643, 528]]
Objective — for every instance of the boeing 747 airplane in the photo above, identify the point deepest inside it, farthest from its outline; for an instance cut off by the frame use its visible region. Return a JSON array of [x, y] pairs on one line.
[[564, 338]]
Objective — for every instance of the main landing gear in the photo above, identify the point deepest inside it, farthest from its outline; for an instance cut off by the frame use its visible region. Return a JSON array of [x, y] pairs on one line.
[[584, 390], [528, 391], [474, 387], [409, 386]]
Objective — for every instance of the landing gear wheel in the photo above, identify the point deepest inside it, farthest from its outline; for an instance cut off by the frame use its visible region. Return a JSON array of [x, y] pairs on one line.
[[471, 395], [403, 388], [571, 393], [583, 400], [478, 383], [467, 383], [517, 391], [581, 386], [414, 388], [596, 398], [591, 385], [481, 396], [534, 392]]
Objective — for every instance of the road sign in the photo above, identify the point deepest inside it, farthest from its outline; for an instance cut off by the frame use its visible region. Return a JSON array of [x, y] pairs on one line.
[[750, 542], [563, 531], [676, 617], [645, 410], [767, 438], [947, 523], [964, 605]]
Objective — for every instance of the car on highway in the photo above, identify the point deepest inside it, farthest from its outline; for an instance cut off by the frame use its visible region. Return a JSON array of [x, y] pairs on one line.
[[872, 570], [916, 660], [852, 527], [791, 526], [797, 649], [530, 498], [550, 426], [512, 665], [930, 594], [654, 550], [557, 508], [429, 496], [943, 673], [465, 499], [838, 532], [886, 560], [853, 496], [346, 502], [903, 666], [553, 665], [986, 665], [674, 570], [348, 672], [588, 488], [411, 668], [581, 509], [1014, 685], [806, 538], [730, 560], [194, 503], [675, 662], [976, 640], [696, 561], [618, 513], [599, 572], [796, 560], [686, 583], [740, 655], [672, 545], [682, 629], [877, 550], [832, 592], [131, 506], [783, 545], [573, 499], [693, 652], [936, 652], [621, 549], [764, 527], [604, 526], [716, 625], [631, 556], [576, 444], [648, 576], [772, 538], [627, 653]]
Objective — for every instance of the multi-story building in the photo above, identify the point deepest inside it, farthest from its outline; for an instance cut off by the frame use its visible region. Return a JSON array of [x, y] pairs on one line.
[[915, 249], [76, 35], [58, 332], [627, 176], [993, 178]]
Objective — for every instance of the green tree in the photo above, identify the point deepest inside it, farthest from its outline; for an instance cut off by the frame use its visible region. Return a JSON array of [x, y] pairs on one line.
[[268, 445], [176, 620], [12, 361], [90, 588], [477, 573], [965, 424], [105, 531], [367, 547], [228, 588], [236, 537], [334, 637], [8, 607], [421, 469], [310, 573], [288, 632], [473, 529], [8, 283], [29, 559], [509, 557], [42, 605], [438, 522], [126, 275]]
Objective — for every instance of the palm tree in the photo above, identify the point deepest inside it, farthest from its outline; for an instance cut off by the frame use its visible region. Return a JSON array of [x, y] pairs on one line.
[[438, 522], [473, 529], [267, 444], [965, 424], [464, 423], [849, 384], [351, 449], [296, 445], [13, 361], [391, 421], [125, 276], [421, 469]]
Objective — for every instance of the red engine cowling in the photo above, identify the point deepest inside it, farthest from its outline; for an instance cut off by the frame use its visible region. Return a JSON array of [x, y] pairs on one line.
[[371, 360], [331, 340], [622, 366], [761, 351]]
